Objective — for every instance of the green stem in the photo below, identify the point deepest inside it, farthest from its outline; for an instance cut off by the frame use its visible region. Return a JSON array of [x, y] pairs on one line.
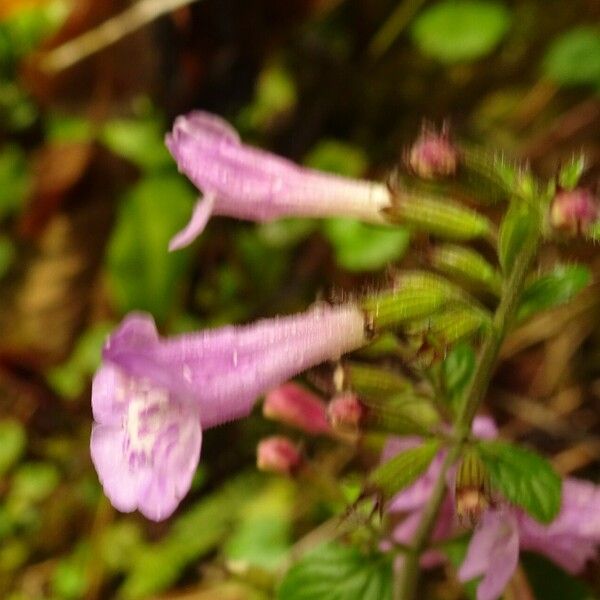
[[406, 586]]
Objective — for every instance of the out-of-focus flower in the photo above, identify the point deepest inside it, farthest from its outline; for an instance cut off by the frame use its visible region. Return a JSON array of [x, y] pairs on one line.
[[152, 396], [573, 211], [278, 454], [294, 405], [240, 181], [345, 411], [569, 541], [433, 155]]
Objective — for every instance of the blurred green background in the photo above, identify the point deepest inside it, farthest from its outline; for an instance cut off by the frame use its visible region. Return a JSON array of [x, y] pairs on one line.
[[89, 198]]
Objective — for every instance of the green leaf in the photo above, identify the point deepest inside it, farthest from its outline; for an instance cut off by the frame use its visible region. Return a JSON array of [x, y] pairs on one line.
[[518, 225], [402, 470], [403, 414], [523, 478], [336, 572], [361, 247], [458, 368], [7, 255], [263, 536], [338, 157], [571, 172], [574, 57], [461, 30], [137, 140], [34, 482], [144, 275], [14, 180], [554, 289], [552, 583], [13, 440]]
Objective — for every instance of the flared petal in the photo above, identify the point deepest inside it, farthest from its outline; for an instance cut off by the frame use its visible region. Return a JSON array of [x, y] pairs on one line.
[[121, 484], [108, 401], [202, 213], [494, 553]]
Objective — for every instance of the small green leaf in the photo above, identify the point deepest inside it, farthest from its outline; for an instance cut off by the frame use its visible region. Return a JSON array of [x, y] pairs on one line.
[[14, 180], [574, 57], [553, 289], [34, 482], [144, 275], [458, 368], [403, 414], [523, 478], [518, 225], [402, 470], [461, 30], [570, 173], [137, 140], [13, 440], [336, 156], [336, 572], [374, 382], [362, 247]]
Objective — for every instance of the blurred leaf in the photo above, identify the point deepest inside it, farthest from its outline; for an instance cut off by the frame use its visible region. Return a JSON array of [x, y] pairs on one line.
[[337, 157], [13, 440], [523, 478], [196, 532], [68, 128], [17, 110], [574, 57], [14, 180], [69, 577], [144, 275], [120, 543], [518, 225], [263, 535], [7, 255], [71, 377], [137, 140], [456, 551], [458, 368], [403, 414], [550, 582], [361, 247], [275, 95], [336, 572], [402, 470], [552, 290], [285, 233], [461, 30], [34, 482], [571, 172]]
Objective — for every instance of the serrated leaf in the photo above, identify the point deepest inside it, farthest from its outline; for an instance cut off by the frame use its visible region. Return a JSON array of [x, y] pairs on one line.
[[523, 478], [336, 572], [361, 247], [574, 57], [553, 289], [402, 470], [461, 30], [570, 173], [518, 225]]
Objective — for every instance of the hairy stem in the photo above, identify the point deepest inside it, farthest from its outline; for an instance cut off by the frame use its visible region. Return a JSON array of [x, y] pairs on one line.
[[406, 586]]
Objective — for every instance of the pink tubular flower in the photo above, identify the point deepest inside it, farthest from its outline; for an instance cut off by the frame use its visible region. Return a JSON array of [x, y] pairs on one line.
[[569, 541], [573, 211], [248, 183], [152, 396], [294, 405]]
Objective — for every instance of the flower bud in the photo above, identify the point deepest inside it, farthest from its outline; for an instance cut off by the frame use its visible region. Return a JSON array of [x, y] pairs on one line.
[[294, 405], [472, 494], [345, 412], [574, 211], [278, 454], [433, 155]]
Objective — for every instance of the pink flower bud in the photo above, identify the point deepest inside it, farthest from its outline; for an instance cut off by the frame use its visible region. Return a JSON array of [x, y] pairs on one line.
[[345, 412], [433, 155], [296, 406], [573, 211], [278, 454]]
